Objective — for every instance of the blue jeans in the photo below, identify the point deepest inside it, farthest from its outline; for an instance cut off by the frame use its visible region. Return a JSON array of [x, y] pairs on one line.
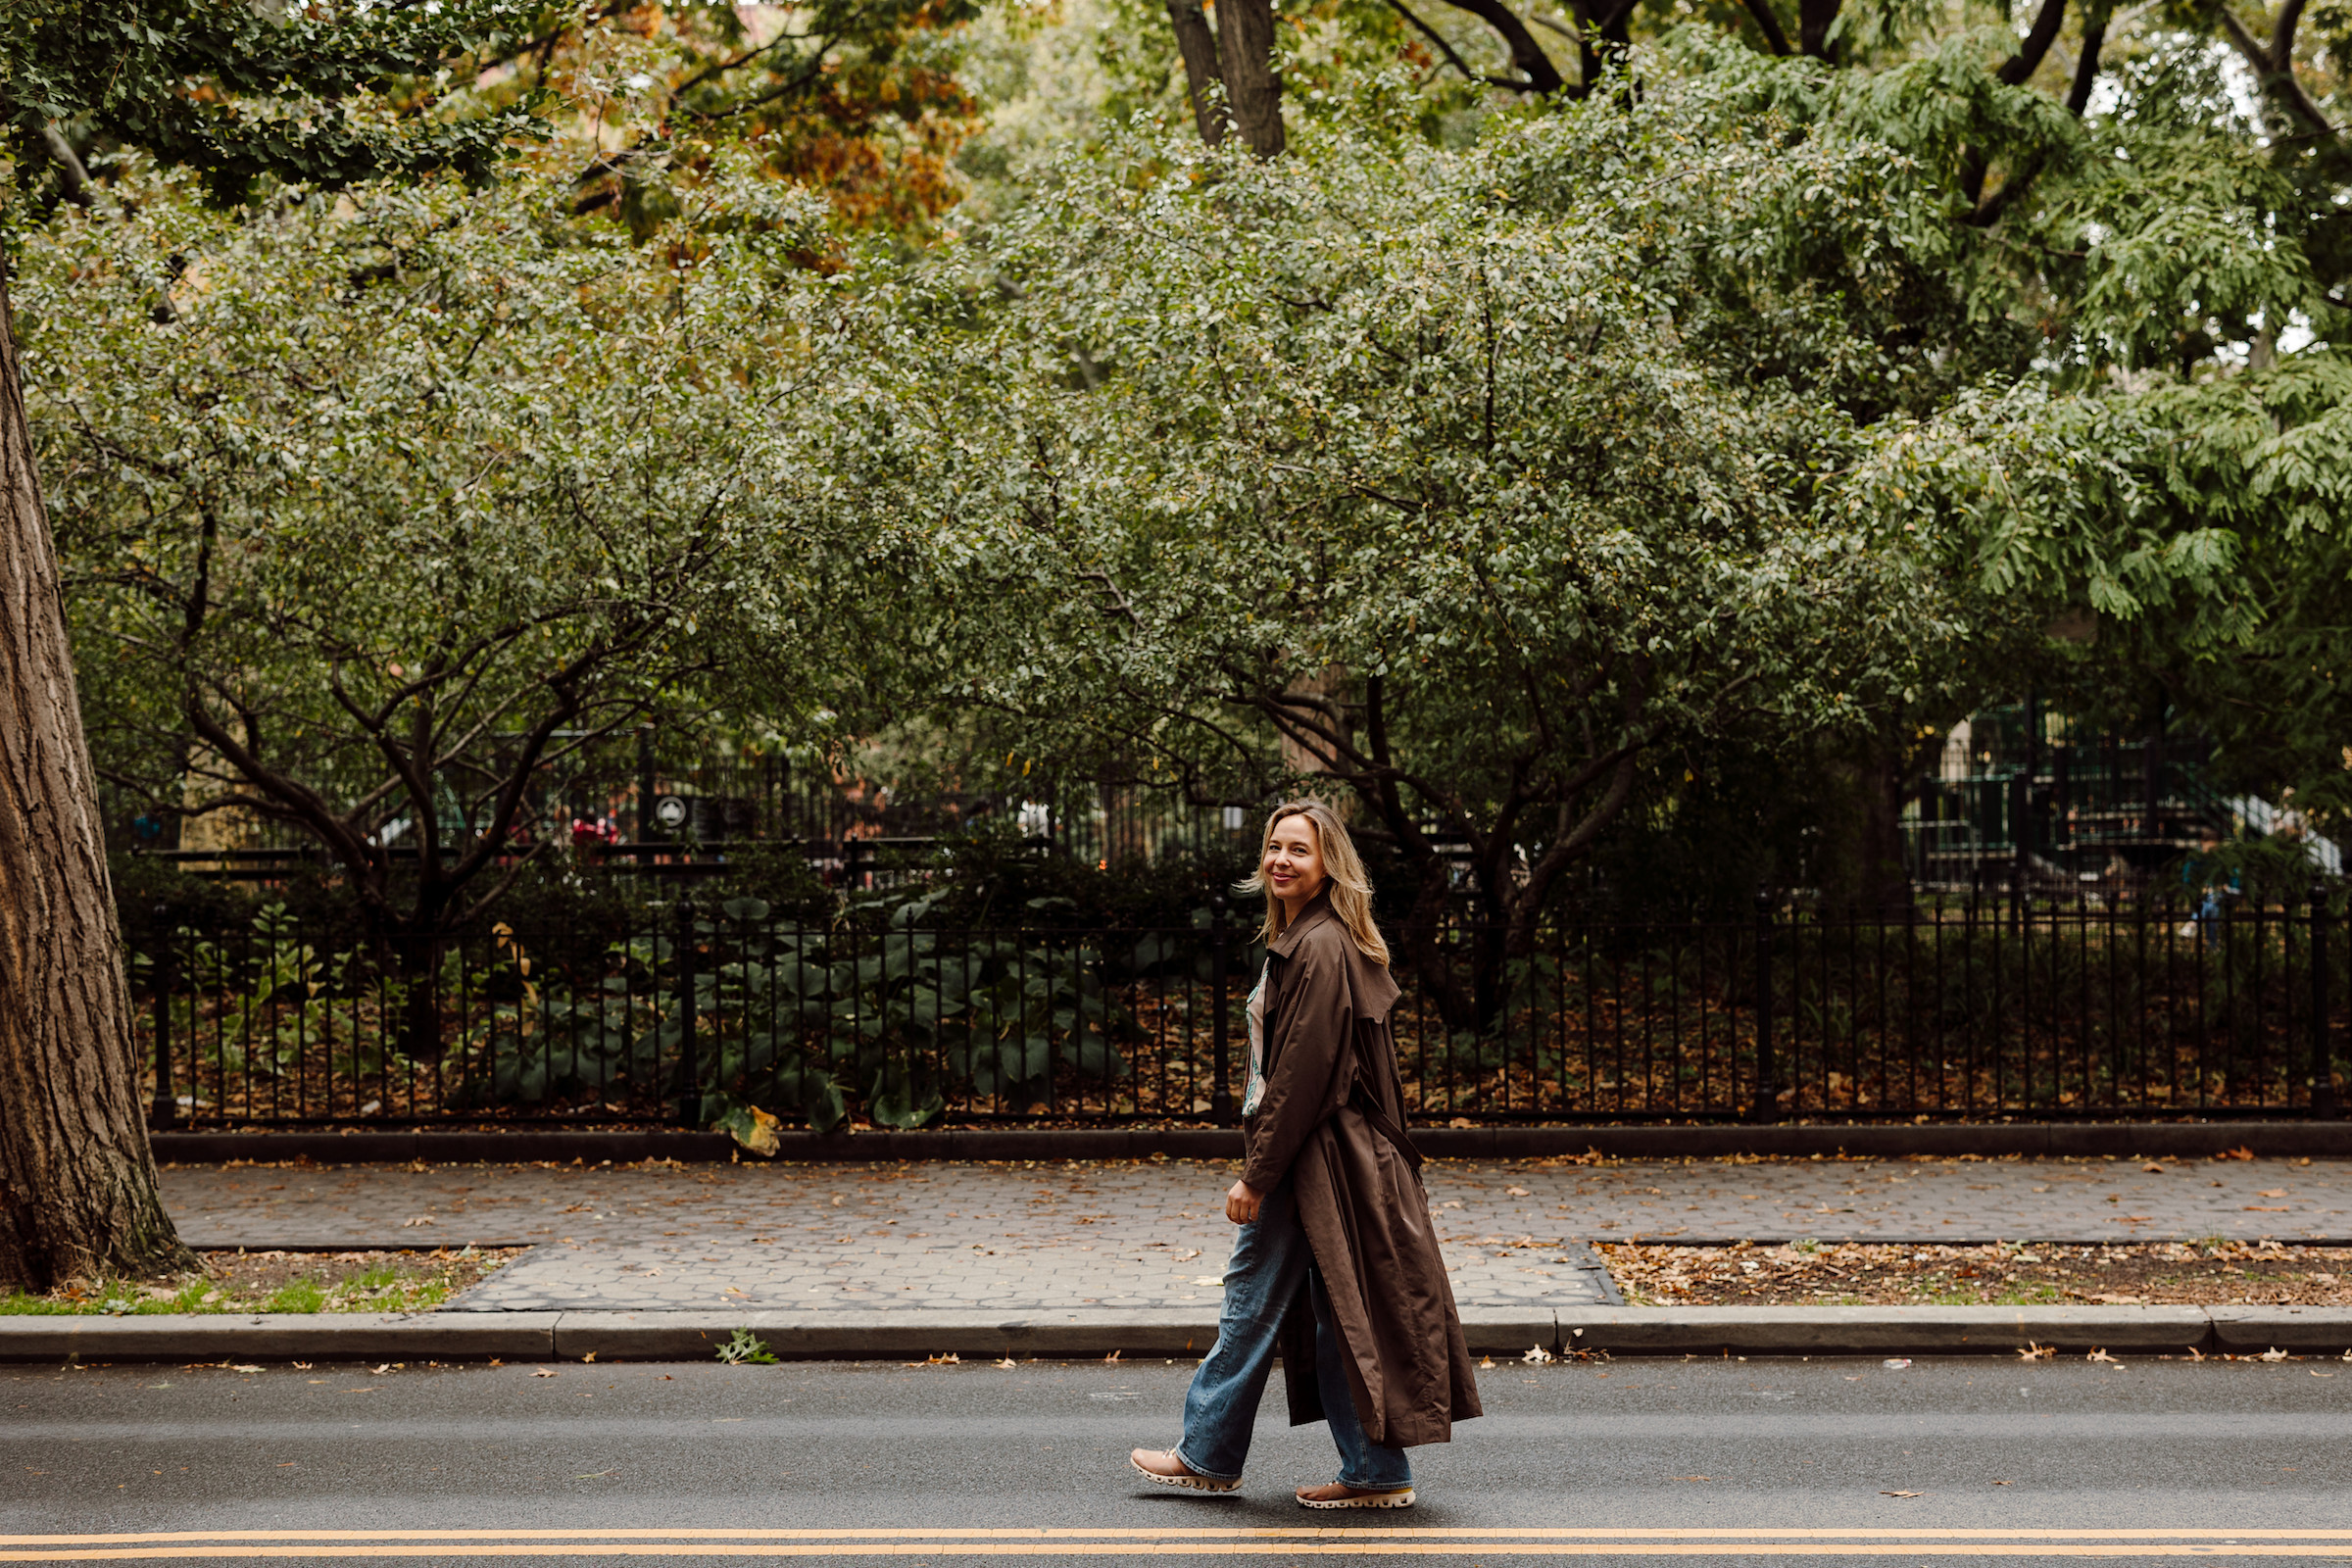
[[1271, 1260]]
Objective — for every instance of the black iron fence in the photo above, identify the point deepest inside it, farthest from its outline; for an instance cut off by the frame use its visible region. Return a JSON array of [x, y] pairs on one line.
[[722, 1013]]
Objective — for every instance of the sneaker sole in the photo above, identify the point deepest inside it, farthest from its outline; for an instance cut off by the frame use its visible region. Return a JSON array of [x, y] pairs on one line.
[[1376, 1500], [1188, 1482]]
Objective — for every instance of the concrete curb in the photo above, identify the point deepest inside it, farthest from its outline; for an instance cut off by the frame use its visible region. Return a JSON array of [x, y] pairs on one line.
[[281, 1337], [2085, 1140], [1090, 1332]]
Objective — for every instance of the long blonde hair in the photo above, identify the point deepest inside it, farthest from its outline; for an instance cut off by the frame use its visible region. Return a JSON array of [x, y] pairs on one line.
[[1343, 872]]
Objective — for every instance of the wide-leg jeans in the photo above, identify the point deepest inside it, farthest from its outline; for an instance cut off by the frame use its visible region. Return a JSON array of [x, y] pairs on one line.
[[1271, 1261]]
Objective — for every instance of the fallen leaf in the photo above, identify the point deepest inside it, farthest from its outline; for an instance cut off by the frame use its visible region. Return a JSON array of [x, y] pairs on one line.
[[1902, 1493], [2240, 1152], [2195, 1354], [542, 1372], [1486, 1363], [1537, 1357], [2274, 1353], [948, 1359], [1111, 1358], [244, 1369], [2038, 1353], [1210, 1279], [1517, 1191], [1186, 1257], [2317, 1373], [590, 1356], [2272, 1191], [2266, 1208], [379, 1371], [302, 1366], [2154, 1169], [1006, 1363], [2098, 1355], [1693, 1478], [2004, 1483], [412, 1224]]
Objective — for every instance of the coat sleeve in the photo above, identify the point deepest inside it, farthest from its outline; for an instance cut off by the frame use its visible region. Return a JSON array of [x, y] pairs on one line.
[[1305, 1038]]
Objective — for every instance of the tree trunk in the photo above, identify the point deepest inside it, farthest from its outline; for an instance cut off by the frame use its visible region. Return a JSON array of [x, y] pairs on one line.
[[417, 956], [77, 1180], [1246, 59], [1198, 47], [1861, 863]]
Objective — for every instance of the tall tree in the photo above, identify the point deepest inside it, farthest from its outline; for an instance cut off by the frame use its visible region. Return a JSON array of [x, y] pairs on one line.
[[394, 562], [243, 94], [1424, 417]]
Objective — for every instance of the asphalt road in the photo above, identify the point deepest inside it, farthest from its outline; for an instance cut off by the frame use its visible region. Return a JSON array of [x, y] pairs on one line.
[[1722, 1460]]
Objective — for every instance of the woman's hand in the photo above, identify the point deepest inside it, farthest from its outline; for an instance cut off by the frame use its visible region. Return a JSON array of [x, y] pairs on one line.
[[1241, 1203]]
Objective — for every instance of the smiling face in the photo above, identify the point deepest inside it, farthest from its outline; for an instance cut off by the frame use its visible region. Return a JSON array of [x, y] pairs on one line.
[[1293, 865]]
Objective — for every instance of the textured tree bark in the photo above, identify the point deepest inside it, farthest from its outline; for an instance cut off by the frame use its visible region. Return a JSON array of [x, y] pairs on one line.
[[1198, 47], [77, 1180], [1246, 57]]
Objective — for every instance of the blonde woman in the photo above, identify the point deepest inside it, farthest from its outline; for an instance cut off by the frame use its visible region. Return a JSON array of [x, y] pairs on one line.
[[1335, 1267]]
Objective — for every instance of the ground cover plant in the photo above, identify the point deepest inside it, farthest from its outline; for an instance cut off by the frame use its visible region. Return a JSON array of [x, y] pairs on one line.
[[273, 1281]]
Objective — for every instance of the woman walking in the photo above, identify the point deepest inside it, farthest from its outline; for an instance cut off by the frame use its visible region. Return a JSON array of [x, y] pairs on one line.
[[1336, 1267]]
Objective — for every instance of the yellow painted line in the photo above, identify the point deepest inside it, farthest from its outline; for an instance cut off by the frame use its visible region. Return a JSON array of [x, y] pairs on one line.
[[1249, 1548], [1205, 1534]]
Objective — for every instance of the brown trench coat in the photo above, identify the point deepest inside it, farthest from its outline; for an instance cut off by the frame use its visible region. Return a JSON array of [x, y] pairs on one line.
[[1328, 1058]]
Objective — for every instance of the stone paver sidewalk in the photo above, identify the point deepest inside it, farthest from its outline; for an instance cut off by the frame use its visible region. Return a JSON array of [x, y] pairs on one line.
[[1013, 1237]]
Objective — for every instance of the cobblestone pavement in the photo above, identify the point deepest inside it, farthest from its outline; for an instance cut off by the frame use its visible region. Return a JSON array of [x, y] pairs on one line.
[[1142, 1234]]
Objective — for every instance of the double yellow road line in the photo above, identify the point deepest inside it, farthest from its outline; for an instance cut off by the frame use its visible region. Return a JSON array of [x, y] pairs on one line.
[[1365, 1541]]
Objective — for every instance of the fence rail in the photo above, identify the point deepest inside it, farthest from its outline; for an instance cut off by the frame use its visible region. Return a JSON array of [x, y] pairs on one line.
[[1962, 1008]]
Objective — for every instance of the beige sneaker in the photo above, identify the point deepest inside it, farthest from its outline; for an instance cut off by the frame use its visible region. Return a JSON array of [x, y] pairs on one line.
[[1162, 1466], [1336, 1495]]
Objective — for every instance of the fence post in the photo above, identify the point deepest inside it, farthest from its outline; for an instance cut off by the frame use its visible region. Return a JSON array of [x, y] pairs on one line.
[[1766, 1106], [2323, 1054], [645, 825], [690, 1069], [1220, 1099], [164, 1109], [2020, 829]]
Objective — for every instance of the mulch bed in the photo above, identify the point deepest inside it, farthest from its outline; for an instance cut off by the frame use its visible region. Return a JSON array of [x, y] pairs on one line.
[[2009, 1274]]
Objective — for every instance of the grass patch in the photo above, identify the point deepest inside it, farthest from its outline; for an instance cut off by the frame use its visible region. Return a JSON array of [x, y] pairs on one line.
[[277, 1281], [303, 1295]]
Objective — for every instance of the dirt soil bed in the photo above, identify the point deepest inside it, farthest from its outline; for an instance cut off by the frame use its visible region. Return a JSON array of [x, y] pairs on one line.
[[2007, 1274], [284, 1282]]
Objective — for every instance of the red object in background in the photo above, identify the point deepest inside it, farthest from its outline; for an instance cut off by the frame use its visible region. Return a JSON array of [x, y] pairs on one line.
[[586, 833]]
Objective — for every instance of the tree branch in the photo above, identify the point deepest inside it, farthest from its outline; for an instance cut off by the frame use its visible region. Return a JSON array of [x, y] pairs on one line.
[[1452, 58], [2277, 76], [2021, 66], [72, 180], [1542, 76], [2087, 64], [1769, 24]]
